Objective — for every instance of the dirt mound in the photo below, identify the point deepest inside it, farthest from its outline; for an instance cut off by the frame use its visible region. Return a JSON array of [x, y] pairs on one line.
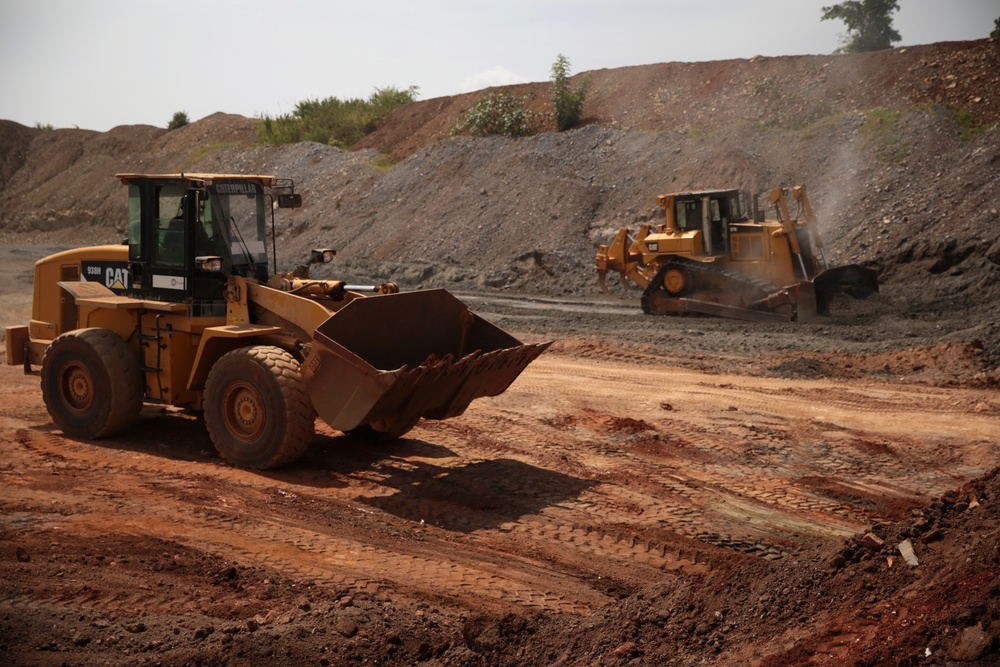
[[60, 184], [790, 92], [863, 603]]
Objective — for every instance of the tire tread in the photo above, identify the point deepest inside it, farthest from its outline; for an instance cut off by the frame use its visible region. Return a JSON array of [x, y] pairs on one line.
[[299, 415]]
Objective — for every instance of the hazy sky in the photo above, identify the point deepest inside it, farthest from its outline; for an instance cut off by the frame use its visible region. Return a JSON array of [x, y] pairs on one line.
[[96, 64]]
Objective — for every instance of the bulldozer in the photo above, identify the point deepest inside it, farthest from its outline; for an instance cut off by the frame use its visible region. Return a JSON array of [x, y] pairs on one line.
[[191, 311], [717, 254]]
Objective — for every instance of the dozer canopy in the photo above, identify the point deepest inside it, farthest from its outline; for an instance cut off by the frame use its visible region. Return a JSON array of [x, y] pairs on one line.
[[386, 361]]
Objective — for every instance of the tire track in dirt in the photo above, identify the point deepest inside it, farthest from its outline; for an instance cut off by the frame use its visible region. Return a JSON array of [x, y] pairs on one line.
[[587, 543], [295, 551], [587, 478], [327, 560], [655, 497], [683, 502], [572, 422]]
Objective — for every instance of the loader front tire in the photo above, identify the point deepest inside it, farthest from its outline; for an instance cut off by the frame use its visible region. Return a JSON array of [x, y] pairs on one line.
[[91, 383], [257, 409]]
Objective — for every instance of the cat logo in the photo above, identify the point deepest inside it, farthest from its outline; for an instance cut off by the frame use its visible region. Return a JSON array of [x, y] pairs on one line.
[[113, 275]]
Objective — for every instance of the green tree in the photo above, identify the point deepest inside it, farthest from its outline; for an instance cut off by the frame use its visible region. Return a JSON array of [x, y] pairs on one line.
[[996, 29], [869, 24], [567, 104], [180, 119]]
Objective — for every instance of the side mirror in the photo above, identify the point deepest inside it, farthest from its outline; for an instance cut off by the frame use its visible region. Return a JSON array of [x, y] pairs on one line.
[[293, 200], [322, 256], [209, 263]]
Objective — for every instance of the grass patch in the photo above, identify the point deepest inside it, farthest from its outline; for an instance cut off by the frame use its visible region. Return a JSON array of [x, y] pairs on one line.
[[694, 133], [814, 128], [203, 153], [381, 164], [968, 126], [881, 130], [881, 123], [333, 121]]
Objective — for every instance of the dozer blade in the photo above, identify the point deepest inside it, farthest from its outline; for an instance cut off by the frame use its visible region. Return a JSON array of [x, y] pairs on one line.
[[398, 357], [851, 279]]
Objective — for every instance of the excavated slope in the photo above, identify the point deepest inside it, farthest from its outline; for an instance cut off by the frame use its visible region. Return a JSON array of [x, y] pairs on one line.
[[899, 150]]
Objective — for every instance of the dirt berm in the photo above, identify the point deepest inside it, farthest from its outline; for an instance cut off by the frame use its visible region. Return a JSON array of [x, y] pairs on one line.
[[653, 491]]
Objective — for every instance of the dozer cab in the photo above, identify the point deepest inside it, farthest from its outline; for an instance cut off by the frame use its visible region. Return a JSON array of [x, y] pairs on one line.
[[192, 312], [716, 254]]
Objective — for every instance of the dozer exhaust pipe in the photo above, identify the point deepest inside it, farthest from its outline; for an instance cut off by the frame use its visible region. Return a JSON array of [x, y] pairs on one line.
[[395, 358]]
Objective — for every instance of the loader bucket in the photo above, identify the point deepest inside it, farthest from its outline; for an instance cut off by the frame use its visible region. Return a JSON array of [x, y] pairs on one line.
[[857, 281], [395, 358]]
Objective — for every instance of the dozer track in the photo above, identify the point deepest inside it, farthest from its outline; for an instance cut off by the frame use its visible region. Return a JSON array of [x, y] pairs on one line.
[[704, 288]]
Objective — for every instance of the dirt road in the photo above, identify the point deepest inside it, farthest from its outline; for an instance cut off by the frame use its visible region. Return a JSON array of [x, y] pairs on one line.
[[596, 474]]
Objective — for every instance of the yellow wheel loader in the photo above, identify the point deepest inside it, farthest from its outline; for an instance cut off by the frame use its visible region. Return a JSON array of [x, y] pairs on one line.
[[716, 254], [191, 312]]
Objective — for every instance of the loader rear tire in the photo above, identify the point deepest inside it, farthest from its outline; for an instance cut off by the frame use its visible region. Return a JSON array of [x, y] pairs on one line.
[[257, 410], [91, 383]]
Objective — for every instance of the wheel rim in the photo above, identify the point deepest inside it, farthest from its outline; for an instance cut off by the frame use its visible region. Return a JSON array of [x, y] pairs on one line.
[[243, 411], [674, 281], [76, 384]]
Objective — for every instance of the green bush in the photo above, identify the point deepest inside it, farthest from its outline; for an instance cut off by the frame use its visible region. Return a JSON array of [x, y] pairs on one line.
[[180, 119], [567, 105], [334, 121], [499, 113]]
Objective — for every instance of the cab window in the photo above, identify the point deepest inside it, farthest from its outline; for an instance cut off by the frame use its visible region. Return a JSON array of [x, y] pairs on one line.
[[170, 231], [716, 216], [208, 234], [686, 215], [134, 222]]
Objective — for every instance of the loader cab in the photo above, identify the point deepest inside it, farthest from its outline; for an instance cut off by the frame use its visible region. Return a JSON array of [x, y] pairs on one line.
[[174, 221]]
